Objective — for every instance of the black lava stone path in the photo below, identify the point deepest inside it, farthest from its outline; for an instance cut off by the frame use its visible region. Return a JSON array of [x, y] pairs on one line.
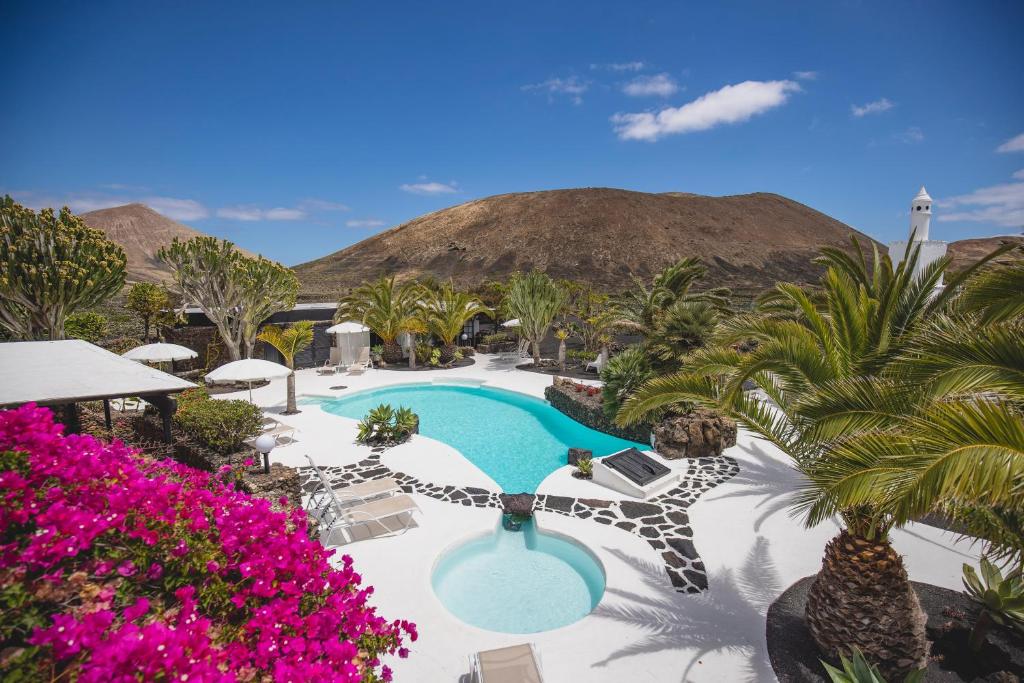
[[662, 521]]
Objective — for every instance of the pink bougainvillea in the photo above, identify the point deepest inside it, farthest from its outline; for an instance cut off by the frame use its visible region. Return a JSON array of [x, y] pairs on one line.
[[116, 567]]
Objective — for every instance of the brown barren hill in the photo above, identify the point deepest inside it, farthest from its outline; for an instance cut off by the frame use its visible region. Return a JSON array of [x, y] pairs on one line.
[[602, 236], [966, 252], [141, 231]]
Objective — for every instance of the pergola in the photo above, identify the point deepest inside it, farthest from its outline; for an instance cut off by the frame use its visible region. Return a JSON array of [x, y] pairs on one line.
[[69, 372]]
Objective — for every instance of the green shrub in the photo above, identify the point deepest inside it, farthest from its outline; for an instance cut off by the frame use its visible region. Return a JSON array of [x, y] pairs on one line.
[[423, 351], [220, 425], [386, 425], [87, 325], [580, 356], [495, 337], [622, 376], [1001, 599]]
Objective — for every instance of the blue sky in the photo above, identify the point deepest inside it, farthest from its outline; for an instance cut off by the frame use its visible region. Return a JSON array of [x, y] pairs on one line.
[[295, 129]]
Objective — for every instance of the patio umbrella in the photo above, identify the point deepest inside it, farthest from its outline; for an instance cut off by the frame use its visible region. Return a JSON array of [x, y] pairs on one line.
[[159, 353], [351, 336], [514, 322], [248, 370]]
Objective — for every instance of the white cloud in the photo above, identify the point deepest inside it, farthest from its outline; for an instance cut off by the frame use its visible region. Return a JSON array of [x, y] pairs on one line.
[[911, 135], [429, 188], [620, 66], [178, 209], [1001, 205], [571, 86], [730, 104], [876, 107], [1014, 144], [365, 223], [249, 213], [661, 85], [805, 75], [1019, 175], [322, 205]]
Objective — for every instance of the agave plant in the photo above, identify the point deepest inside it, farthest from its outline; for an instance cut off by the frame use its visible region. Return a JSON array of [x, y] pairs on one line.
[[585, 467], [1001, 599], [857, 669], [821, 358], [387, 425]]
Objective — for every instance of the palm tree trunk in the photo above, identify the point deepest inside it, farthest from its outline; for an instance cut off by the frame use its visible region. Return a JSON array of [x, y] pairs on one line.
[[862, 597], [291, 408], [392, 352], [448, 353], [412, 355]]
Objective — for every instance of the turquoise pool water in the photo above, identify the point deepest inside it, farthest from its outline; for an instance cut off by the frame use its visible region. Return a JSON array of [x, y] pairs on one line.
[[516, 439], [519, 581]]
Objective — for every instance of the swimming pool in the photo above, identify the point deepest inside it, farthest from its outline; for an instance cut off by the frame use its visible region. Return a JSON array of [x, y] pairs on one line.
[[516, 439], [519, 581]]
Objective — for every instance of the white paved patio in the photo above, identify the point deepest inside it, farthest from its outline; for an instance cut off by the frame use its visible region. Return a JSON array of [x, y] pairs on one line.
[[642, 630]]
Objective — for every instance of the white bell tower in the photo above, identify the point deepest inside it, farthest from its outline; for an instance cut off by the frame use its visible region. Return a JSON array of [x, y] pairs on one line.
[[920, 224]]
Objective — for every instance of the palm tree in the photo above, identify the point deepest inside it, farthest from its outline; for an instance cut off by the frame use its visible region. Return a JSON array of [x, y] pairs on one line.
[[535, 299], [673, 318], [811, 349], [446, 313], [289, 342], [562, 334], [389, 309]]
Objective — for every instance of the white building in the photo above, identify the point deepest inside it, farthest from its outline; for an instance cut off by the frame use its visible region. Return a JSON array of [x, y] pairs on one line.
[[920, 220]]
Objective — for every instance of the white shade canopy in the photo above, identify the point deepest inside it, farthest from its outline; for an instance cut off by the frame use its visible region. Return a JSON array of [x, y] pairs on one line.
[[159, 353], [248, 370], [514, 322], [347, 328]]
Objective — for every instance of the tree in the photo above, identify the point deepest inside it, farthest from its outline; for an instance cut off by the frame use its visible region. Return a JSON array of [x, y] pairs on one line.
[[289, 342], [673, 318], [389, 309], [446, 312], [147, 300], [812, 350], [50, 267], [234, 291], [535, 299], [562, 334], [87, 325]]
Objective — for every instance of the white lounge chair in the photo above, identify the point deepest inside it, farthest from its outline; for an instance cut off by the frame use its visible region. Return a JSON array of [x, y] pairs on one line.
[[515, 664], [363, 362], [598, 363], [362, 492], [327, 368], [344, 509]]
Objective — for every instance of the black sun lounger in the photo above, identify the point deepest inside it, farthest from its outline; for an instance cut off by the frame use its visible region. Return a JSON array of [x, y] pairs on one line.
[[635, 466]]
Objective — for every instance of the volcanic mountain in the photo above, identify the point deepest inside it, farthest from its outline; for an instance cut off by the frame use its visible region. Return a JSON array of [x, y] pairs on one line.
[[966, 252], [141, 231], [598, 235]]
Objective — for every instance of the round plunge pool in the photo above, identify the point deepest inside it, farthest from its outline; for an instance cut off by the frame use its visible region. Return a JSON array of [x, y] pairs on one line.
[[523, 581]]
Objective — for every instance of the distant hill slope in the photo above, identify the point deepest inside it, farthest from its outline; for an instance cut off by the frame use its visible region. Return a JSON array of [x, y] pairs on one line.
[[141, 231], [598, 235], [965, 252]]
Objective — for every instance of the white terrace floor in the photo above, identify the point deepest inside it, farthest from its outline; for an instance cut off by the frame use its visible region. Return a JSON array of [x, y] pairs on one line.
[[642, 630]]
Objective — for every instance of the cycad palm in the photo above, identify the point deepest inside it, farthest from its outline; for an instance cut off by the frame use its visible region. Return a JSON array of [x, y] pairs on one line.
[[814, 351], [387, 308], [289, 342], [447, 311]]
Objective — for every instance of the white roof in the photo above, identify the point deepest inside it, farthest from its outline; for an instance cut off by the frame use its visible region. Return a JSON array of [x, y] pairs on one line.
[[347, 328], [73, 370], [922, 195]]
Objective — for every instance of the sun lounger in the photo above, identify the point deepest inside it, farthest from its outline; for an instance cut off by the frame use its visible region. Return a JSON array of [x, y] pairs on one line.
[[515, 664], [362, 363], [365, 491], [326, 368], [333, 509]]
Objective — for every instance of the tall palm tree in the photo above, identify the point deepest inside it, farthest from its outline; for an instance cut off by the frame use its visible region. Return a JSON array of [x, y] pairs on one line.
[[535, 299], [289, 342], [811, 347], [446, 313], [389, 309]]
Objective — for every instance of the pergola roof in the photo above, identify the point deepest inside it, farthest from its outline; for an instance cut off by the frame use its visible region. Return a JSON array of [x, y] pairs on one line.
[[72, 370]]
